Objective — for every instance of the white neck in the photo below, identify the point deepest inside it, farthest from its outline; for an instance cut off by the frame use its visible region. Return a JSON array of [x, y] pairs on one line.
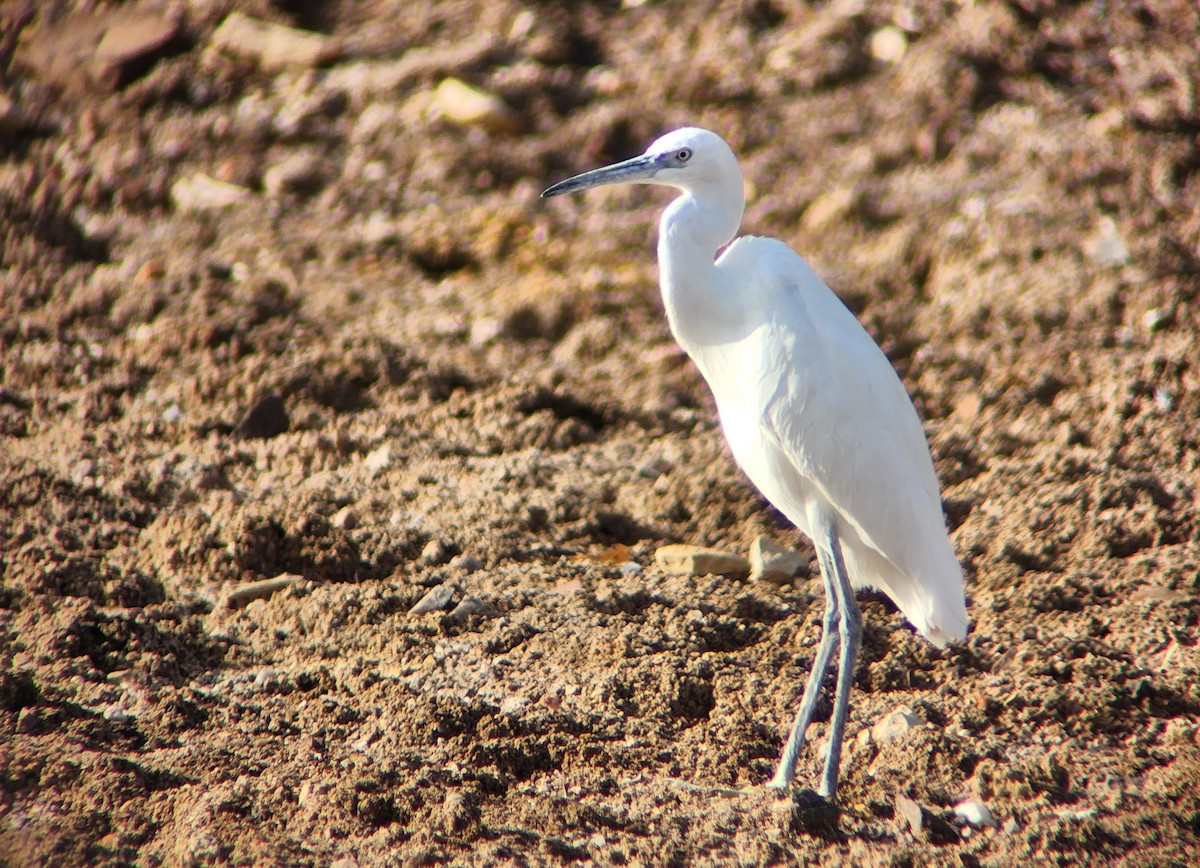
[[693, 229]]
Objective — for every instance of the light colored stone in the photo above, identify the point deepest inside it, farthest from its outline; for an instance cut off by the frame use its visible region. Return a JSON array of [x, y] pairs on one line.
[[1106, 247], [250, 591], [470, 106], [201, 192], [274, 47], [436, 600], [345, 518], [484, 330], [131, 38], [829, 208], [469, 606], [365, 80], [774, 563], [378, 459], [888, 44], [910, 811], [513, 704], [83, 469], [299, 171], [975, 813], [653, 468], [895, 726], [467, 563], [1154, 319], [117, 713], [436, 552], [687, 560]]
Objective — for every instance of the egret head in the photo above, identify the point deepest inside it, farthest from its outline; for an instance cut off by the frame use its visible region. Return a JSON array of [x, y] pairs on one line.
[[690, 159]]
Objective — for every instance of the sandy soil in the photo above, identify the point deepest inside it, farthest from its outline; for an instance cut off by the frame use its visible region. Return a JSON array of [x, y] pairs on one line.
[[386, 366]]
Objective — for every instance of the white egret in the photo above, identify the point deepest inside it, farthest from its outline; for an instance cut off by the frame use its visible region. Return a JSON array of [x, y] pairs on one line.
[[812, 409]]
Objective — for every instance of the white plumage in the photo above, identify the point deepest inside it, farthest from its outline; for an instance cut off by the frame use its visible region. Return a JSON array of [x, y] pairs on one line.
[[822, 414], [810, 405]]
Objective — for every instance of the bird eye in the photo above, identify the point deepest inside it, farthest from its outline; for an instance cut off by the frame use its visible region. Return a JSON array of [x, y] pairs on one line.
[[683, 154]]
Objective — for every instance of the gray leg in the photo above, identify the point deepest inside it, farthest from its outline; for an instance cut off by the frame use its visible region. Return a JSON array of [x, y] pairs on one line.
[[849, 628], [808, 702]]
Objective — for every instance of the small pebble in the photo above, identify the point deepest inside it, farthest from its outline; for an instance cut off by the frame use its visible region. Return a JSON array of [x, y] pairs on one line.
[[378, 459], [469, 606], [150, 272], [266, 678], [1077, 815], [523, 23], [345, 518], [459, 813], [688, 560], [910, 811], [131, 42], [567, 586], [275, 47], [771, 562], [895, 726], [436, 552], [829, 209], [249, 592], [117, 713], [83, 469], [1154, 319], [29, 721], [302, 172], [202, 193], [484, 330], [1106, 247], [975, 813], [468, 105], [654, 468], [311, 794], [466, 563], [888, 44], [436, 600], [513, 704]]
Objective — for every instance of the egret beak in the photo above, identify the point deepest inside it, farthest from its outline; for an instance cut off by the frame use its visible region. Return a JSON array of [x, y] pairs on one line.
[[639, 170]]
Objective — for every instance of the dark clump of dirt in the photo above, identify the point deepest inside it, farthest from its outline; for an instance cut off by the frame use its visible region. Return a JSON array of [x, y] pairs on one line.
[[298, 313]]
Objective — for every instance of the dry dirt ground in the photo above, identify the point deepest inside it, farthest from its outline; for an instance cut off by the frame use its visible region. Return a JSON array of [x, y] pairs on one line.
[[455, 384]]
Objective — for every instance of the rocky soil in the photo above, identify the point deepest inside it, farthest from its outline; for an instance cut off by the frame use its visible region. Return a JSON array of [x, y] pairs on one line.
[[278, 299]]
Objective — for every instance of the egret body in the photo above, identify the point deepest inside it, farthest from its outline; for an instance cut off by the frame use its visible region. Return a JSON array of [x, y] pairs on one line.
[[812, 409]]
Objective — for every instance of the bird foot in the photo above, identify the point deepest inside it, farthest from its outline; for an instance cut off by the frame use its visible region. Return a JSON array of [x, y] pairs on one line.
[[814, 814], [781, 788], [778, 785]]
